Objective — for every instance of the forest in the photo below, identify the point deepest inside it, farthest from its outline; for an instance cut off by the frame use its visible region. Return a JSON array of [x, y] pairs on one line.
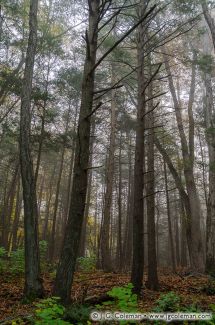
[[107, 162]]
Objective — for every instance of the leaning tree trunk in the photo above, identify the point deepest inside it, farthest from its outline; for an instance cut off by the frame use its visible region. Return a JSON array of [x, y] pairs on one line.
[[33, 282], [187, 148], [210, 21], [66, 267]]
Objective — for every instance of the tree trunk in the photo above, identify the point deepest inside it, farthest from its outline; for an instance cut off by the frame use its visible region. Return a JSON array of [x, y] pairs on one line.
[[33, 283], [119, 226], [210, 222], [138, 209], [8, 208], [48, 204], [89, 189], [172, 248], [197, 255], [54, 219], [183, 259], [105, 234], [66, 267], [127, 247], [16, 217], [152, 281]]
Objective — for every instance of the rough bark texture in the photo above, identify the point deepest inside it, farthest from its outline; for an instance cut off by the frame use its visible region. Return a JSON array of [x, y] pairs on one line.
[[88, 198], [152, 282], [66, 267], [138, 209], [33, 282], [210, 223]]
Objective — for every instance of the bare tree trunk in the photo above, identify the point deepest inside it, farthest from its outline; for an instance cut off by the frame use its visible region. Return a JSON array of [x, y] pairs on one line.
[[48, 204], [177, 249], [54, 219], [127, 247], [172, 248], [70, 178], [8, 208], [17, 216], [119, 226], [33, 282], [66, 267], [138, 209], [89, 189], [152, 281], [105, 234], [183, 259], [210, 222]]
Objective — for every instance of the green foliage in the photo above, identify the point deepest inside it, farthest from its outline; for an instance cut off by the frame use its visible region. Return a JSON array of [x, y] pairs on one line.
[[17, 261], [167, 303], [49, 311], [124, 298], [86, 264], [43, 253], [78, 314], [15, 264], [3, 253]]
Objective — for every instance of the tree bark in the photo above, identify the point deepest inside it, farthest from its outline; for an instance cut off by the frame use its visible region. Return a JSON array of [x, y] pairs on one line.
[[119, 226], [89, 190], [210, 222], [16, 217], [138, 209], [152, 281], [66, 267], [105, 234], [33, 283], [172, 248]]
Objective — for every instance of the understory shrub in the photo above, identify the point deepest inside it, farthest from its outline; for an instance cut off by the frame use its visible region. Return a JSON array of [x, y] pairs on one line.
[[50, 312], [125, 299], [15, 263], [169, 302], [86, 264], [3, 254]]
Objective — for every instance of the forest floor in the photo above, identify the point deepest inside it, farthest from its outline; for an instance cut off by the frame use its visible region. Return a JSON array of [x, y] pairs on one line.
[[193, 290]]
